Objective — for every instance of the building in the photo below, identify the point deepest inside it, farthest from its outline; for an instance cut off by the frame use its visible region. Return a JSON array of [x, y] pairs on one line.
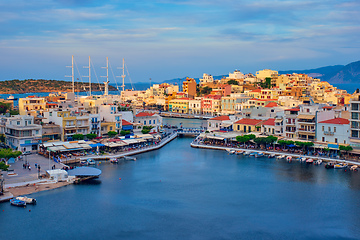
[[179, 105], [211, 105], [355, 120], [195, 106], [268, 126], [22, 134], [266, 73], [189, 87], [333, 131], [206, 79], [32, 105], [247, 125], [149, 119], [290, 122], [218, 123], [51, 132]]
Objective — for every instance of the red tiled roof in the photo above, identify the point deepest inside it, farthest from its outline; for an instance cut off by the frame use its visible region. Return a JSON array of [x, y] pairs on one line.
[[328, 107], [256, 90], [293, 109], [271, 104], [124, 122], [270, 122], [213, 96], [336, 121], [144, 114], [220, 118], [248, 121]]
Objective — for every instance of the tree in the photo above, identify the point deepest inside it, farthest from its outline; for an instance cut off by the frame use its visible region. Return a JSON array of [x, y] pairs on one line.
[[347, 149], [2, 138], [233, 82], [243, 139], [91, 136], [78, 137], [112, 133], [205, 90]]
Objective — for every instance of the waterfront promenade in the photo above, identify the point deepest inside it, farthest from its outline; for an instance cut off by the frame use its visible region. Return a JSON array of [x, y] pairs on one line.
[[197, 144]]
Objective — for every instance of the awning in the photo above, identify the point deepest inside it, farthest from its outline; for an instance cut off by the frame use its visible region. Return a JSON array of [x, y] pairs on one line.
[[226, 125], [306, 117], [214, 137], [278, 120], [28, 144], [96, 145]]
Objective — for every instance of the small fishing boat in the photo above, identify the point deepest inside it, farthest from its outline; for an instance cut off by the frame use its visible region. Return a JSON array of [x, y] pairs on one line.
[[281, 157], [17, 203], [27, 200], [329, 165], [239, 152], [303, 159], [114, 160], [310, 161], [12, 98], [260, 154], [271, 155], [340, 165], [246, 153], [318, 162], [230, 151], [289, 158], [90, 162], [253, 154], [354, 168]]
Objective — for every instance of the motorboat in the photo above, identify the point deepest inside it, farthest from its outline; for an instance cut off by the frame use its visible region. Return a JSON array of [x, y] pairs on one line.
[[310, 161], [128, 158], [303, 159], [354, 168], [329, 165], [17, 203], [90, 162], [246, 153], [260, 154], [114, 160], [318, 162], [340, 165], [271, 155], [11, 98], [281, 157], [289, 158], [253, 154], [27, 200], [238, 152], [230, 151]]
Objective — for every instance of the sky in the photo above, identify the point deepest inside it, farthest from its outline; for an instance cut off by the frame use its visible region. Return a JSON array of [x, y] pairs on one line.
[[167, 39]]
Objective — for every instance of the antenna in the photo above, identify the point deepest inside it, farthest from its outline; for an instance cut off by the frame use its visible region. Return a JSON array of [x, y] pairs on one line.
[[89, 67], [123, 75], [72, 72], [107, 77]]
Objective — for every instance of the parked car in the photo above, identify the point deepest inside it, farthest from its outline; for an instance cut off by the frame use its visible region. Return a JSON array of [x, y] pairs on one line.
[[27, 153]]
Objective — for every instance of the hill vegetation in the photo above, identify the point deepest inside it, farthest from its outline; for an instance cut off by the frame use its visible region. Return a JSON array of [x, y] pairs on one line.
[[41, 85]]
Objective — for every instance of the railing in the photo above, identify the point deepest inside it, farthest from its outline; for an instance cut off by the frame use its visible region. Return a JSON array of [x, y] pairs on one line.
[[328, 133]]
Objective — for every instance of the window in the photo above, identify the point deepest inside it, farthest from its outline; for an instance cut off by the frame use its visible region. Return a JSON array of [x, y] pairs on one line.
[[50, 114], [329, 128], [336, 140], [144, 122], [323, 128], [323, 139]]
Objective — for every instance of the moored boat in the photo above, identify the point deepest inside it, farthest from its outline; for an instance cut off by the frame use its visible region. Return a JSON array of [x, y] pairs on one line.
[[27, 200], [281, 157], [310, 160], [260, 154], [318, 162], [238, 152], [114, 160], [329, 165], [271, 155], [289, 158], [230, 151], [246, 153], [340, 165], [354, 168], [90, 162], [253, 154], [303, 159], [17, 203]]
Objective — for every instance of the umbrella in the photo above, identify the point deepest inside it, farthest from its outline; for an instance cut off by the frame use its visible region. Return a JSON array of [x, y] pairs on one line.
[[291, 145]]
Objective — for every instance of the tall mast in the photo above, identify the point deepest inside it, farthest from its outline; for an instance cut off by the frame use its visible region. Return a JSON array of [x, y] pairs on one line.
[[72, 73], [123, 75], [107, 77], [89, 67]]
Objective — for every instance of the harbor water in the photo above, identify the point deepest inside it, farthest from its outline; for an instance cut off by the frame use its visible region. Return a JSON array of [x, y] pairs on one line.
[[179, 192]]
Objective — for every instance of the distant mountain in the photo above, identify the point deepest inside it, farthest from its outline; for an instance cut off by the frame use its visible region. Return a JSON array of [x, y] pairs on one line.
[[317, 72], [349, 73]]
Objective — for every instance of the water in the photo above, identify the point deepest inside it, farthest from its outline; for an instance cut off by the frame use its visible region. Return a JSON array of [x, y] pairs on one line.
[[179, 192]]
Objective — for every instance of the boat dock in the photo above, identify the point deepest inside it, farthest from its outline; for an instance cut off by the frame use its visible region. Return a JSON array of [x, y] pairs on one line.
[[326, 159]]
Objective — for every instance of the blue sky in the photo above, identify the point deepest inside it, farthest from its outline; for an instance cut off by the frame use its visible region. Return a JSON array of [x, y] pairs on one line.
[[170, 39]]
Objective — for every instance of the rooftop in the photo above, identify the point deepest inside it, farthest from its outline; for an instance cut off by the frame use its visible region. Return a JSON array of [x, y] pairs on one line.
[[248, 121], [340, 121]]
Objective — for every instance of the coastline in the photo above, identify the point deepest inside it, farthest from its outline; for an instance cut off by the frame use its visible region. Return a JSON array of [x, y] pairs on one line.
[[326, 159], [30, 187]]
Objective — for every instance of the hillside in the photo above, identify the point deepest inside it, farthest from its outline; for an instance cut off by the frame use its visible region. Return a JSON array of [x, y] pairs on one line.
[[349, 73], [40, 85]]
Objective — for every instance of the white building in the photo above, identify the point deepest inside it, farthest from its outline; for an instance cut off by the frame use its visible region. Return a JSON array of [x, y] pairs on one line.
[[236, 75], [206, 79], [149, 119], [22, 134], [333, 131], [195, 106]]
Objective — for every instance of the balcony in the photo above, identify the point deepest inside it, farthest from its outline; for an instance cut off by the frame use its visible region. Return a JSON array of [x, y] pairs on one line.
[[329, 133]]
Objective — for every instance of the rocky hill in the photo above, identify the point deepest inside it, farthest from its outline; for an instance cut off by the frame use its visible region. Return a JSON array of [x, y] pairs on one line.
[[41, 85]]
